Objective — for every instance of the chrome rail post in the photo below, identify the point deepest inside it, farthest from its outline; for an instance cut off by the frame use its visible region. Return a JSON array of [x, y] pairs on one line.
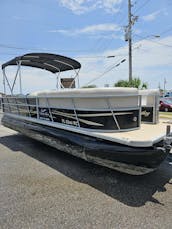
[[156, 107], [17, 105], [9, 107], [76, 116], [114, 117], [37, 108], [140, 108], [27, 104], [49, 109]]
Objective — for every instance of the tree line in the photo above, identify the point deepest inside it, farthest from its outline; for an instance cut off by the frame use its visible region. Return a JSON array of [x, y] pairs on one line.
[[135, 82]]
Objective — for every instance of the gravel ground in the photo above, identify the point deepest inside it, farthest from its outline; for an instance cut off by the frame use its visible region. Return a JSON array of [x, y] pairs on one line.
[[43, 188]]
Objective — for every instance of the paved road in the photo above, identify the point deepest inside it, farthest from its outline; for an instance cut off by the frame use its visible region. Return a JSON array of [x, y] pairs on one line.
[[43, 188]]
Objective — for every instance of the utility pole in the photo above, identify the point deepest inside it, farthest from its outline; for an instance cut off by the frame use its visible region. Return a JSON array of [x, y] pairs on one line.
[[164, 86], [129, 40], [128, 36]]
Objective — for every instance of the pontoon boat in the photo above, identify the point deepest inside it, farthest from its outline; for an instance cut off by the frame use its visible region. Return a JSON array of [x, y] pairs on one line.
[[115, 127]]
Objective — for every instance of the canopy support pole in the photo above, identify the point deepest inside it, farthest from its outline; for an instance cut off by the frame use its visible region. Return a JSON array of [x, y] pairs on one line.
[[59, 85], [18, 69], [76, 76], [58, 80], [6, 79], [20, 81]]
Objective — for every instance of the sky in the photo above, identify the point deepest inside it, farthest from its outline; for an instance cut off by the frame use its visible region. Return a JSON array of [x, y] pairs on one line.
[[88, 31]]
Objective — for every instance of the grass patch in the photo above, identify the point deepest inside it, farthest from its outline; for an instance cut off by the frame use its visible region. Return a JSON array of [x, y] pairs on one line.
[[165, 115]]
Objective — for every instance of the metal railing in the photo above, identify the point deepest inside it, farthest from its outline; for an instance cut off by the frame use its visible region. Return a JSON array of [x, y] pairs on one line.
[[31, 107]]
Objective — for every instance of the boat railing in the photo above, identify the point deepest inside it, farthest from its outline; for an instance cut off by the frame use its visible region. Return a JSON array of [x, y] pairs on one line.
[[62, 95], [31, 107]]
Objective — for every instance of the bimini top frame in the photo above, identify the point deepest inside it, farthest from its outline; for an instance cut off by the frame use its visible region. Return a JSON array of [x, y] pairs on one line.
[[50, 62]]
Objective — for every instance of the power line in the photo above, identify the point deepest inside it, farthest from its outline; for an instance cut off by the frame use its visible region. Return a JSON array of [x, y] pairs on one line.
[[8, 54], [123, 17], [92, 57], [142, 6], [108, 70], [166, 31], [153, 41], [159, 35], [38, 49], [81, 57], [118, 22]]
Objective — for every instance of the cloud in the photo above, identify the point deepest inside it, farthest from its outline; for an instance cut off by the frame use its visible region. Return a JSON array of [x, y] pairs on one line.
[[99, 30], [151, 62], [83, 6], [154, 15]]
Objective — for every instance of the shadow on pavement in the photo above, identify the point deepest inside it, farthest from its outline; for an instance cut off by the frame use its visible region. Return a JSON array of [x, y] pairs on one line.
[[130, 190]]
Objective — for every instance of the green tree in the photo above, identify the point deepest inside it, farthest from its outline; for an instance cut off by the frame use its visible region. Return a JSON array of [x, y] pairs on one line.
[[90, 86], [135, 82]]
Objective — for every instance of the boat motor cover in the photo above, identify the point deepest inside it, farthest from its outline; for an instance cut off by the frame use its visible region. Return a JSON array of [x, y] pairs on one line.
[[50, 62]]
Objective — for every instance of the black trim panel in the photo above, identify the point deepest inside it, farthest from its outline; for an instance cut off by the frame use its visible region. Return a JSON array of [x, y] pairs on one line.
[[105, 120]]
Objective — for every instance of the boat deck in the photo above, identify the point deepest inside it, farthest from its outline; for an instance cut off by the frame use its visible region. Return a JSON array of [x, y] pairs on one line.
[[146, 136]]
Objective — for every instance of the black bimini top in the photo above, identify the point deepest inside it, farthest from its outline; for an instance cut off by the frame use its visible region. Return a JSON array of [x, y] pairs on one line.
[[51, 62]]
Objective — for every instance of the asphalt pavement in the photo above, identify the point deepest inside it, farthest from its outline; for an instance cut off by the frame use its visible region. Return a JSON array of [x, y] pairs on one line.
[[41, 187]]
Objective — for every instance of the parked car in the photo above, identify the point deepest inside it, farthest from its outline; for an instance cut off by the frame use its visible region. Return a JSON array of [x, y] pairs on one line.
[[168, 94], [165, 104]]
